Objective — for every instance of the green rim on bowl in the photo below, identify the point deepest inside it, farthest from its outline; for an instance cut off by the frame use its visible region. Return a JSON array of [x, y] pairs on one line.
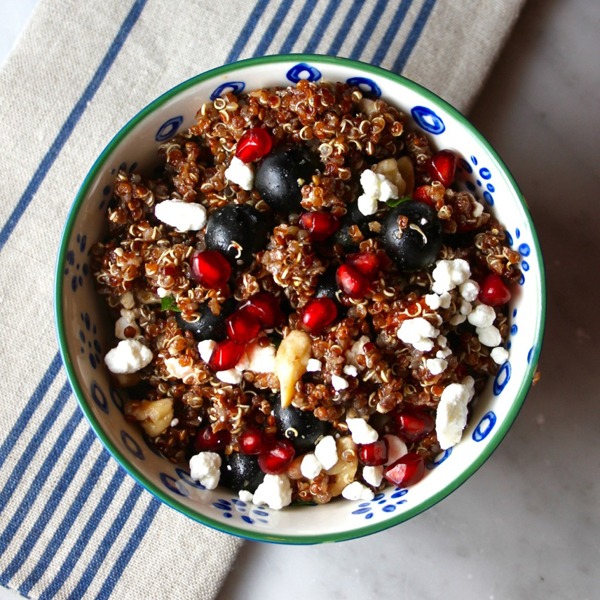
[[496, 436]]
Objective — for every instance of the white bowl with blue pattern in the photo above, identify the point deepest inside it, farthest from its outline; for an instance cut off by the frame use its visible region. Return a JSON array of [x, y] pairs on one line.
[[85, 334]]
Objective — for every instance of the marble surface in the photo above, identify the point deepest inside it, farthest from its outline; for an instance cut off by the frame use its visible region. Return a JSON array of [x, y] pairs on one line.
[[527, 525]]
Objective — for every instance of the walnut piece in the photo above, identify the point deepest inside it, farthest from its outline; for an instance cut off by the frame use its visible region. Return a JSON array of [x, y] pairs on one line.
[[154, 416], [290, 363]]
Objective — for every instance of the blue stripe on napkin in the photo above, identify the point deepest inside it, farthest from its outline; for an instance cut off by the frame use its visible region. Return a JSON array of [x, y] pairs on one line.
[[391, 31], [413, 36], [368, 29], [31, 406], [298, 26], [340, 36], [322, 25], [69, 125], [131, 547], [51, 505], [67, 522], [87, 532]]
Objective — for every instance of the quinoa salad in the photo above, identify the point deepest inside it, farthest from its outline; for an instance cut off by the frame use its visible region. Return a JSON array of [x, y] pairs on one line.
[[306, 302]]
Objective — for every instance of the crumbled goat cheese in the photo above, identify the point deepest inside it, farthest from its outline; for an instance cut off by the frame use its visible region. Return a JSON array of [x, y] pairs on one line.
[[174, 422], [127, 319], [261, 359], [482, 316], [469, 290], [449, 274], [205, 349], [176, 370], [443, 353], [489, 336], [362, 432], [442, 341], [338, 383], [418, 332], [357, 491], [313, 365], [376, 187], [310, 466], [451, 415], [373, 475], [205, 467], [129, 356], [127, 300], [326, 452], [396, 447], [499, 355], [161, 292], [435, 301], [245, 496], [465, 308], [241, 173], [367, 205], [184, 216], [275, 491], [436, 365], [232, 376], [243, 363], [350, 370]]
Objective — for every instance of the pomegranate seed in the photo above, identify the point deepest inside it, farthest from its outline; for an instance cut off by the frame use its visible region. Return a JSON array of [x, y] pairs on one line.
[[406, 471], [351, 281], [253, 441], [413, 424], [265, 307], [493, 291], [373, 454], [172, 271], [366, 263], [208, 440], [211, 269], [442, 167], [317, 314], [242, 326], [277, 458], [422, 194], [253, 145], [319, 225], [226, 355]]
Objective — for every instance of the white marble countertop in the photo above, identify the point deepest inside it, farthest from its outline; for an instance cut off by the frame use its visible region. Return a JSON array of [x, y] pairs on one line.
[[527, 525]]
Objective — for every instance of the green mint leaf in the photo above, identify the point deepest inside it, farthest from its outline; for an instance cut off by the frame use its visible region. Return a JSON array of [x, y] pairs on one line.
[[397, 201], [169, 303]]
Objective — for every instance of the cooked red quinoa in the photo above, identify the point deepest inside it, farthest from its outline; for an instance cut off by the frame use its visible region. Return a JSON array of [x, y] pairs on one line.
[[146, 270]]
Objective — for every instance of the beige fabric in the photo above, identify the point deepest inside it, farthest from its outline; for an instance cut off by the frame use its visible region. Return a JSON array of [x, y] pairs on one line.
[[71, 522]]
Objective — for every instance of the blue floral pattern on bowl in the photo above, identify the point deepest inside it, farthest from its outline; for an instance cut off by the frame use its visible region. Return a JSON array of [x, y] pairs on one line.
[[386, 502], [234, 508]]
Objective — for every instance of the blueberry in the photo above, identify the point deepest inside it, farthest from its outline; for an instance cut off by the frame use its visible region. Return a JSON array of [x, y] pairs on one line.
[[241, 472], [237, 231], [301, 427], [412, 235], [209, 326], [352, 217], [280, 176], [327, 286]]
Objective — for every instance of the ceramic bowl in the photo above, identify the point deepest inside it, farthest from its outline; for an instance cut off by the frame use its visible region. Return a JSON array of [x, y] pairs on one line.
[[85, 335]]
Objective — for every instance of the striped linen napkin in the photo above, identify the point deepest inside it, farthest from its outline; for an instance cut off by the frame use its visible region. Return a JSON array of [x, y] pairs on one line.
[[73, 524]]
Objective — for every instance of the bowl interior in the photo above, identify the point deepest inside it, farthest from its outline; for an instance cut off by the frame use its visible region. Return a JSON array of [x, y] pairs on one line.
[[85, 334]]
